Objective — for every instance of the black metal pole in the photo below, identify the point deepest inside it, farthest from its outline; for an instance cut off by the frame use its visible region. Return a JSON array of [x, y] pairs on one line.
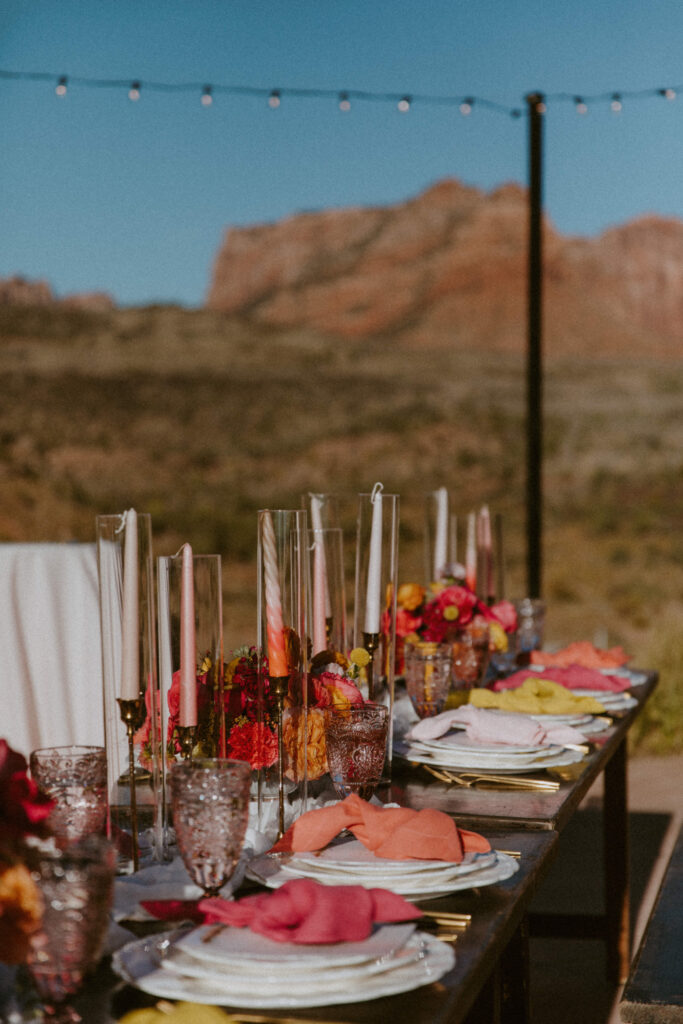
[[535, 102]]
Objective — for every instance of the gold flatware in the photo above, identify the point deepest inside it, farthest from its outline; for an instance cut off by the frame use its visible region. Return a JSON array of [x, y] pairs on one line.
[[449, 917], [510, 853], [470, 779]]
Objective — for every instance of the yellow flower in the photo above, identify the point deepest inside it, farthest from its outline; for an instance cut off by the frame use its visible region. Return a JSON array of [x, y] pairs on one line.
[[410, 596], [359, 656], [451, 613], [498, 638], [20, 912]]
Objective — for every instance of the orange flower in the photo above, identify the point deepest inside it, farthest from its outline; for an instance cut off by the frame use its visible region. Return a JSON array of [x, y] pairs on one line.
[[20, 912], [410, 596]]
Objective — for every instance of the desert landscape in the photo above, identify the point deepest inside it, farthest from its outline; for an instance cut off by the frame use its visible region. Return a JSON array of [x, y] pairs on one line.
[[343, 347]]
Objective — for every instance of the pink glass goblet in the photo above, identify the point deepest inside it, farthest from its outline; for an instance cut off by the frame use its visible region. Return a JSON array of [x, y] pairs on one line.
[[210, 805], [76, 779], [75, 886], [355, 741]]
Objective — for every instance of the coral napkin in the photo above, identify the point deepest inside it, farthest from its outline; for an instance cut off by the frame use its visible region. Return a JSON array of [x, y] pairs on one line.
[[482, 726], [573, 677], [307, 912], [581, 652], [537, 696], [397, 833]]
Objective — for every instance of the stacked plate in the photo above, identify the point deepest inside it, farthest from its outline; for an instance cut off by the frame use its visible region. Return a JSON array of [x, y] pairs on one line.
[[456, 750], [609, 700], [351, 863], [238, 968]]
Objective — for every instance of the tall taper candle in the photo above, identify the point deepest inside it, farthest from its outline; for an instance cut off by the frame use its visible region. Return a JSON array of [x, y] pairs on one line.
[[441, 534], [374, 585], [187, 714], [277, 657], [471, 552], [130, 624]]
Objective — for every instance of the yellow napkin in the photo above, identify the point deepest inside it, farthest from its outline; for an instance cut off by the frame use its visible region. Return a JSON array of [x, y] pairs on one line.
[[177, 1013], [537, 696]]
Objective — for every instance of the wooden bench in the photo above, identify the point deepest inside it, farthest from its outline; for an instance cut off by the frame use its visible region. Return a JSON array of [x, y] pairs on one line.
[[653, 993]]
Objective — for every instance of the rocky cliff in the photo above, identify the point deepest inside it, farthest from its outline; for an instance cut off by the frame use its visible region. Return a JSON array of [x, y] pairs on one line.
[[449, 267]]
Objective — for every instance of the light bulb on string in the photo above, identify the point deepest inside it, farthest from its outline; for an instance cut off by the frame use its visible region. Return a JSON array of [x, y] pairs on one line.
[[60, 89], [344, 101], [404, 104], [616, 104], [207, 96], [581, 107], [466, 106], [274, 99], [134, 92]]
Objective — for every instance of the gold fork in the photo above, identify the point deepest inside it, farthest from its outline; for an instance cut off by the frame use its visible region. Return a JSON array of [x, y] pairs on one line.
[[471, 779]]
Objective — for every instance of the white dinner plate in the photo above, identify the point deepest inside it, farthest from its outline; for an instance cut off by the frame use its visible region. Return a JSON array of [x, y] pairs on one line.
[[461, 741], [231, 945], [412, 887], [476, 759], [503, 767], [141, 964], [355, 858], [610, 701]]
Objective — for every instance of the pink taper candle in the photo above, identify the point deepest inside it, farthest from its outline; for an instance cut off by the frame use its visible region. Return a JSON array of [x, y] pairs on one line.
[[188, 655], [130, 625], [471, 553], [277, 657]]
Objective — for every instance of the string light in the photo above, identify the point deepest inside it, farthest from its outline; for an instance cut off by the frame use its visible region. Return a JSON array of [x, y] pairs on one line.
[[403, 102]]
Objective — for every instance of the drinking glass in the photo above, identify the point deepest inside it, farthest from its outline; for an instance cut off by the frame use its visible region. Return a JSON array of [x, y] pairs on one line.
[[75, 885], [530, 624], [355, 740], [210, 806], [76, 779], [471, 653], [428, 676]]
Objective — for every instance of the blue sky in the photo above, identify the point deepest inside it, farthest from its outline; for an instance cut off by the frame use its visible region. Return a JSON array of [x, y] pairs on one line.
[[99, 193]]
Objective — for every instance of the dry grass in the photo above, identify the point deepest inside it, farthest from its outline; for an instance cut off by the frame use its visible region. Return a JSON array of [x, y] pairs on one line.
[[201, 421]]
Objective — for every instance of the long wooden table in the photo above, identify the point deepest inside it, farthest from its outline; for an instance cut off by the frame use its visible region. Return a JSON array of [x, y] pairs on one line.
[[537, 811], [487, 982]]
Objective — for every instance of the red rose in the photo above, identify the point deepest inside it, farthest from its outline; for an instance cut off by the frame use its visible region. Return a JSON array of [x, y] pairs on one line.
[[23, 808]]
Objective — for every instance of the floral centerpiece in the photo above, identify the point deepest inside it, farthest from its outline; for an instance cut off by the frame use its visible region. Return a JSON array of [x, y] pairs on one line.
[[23, 813], [436, 615], [252, 733]]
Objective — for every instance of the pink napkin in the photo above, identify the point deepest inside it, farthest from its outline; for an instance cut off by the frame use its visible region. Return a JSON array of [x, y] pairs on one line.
[[307, 912], [573, 677], [397, 833], [510, 729], [174, 910], [581, 652]]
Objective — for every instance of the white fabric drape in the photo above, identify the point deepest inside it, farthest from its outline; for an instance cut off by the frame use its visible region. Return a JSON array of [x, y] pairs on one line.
[[50, 647]]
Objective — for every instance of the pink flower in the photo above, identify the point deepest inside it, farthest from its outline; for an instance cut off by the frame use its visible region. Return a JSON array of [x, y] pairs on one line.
[[452, 608], [504, 612], [330, 688]]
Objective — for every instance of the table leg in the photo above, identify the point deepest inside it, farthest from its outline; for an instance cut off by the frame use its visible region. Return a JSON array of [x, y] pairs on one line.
[[616, 865], [513, 972]]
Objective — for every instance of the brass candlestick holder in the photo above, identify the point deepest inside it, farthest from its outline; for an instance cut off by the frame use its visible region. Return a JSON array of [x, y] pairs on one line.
[[132, 715], [279, 687], [371, 644], [186, 738]]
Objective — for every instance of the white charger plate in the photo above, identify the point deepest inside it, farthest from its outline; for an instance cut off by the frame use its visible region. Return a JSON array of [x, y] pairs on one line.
[[140, 963]]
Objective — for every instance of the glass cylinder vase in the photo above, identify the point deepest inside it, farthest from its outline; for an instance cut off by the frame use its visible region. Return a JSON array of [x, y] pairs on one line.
[[440, 539], [376, 580], [328, 590], [127, 616], [277, 721], [191, 679]]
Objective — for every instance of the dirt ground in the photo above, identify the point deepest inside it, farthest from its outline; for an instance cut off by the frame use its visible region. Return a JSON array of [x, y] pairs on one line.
[[568, 982]]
